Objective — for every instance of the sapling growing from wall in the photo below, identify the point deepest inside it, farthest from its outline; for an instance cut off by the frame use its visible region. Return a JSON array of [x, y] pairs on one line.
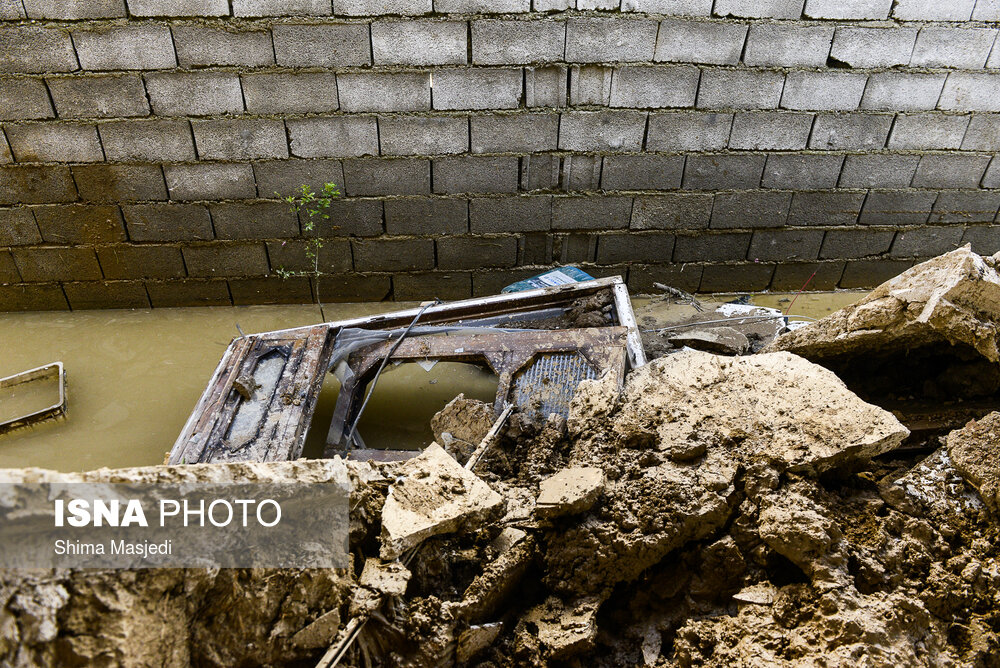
[[316, 209]]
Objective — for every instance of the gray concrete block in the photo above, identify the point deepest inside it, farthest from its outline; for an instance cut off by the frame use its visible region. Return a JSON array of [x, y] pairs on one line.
[[100, 95], [123, 262], [688, 131], [740, 89], [482, 6], [736, 277], [545, 86], [581, 172], [420, 42], [28, 184], [508, 42], [971, 91], [287, 93], [672, 211], [928, 131], [759, 9], [602, 130], [642, 172], [393, 254], [35, 49], [334, 137], [825, 208], [271, 290], [950, 171], [872, 47], [753, 209], [195, 93], [712, 42], [23, 98], [956, 206], [196, 8], [240, 139], [785, 245], [254, 220], [654, 87], [985, 239], [147, 140], [423, 135], [986, 10], [384, 91], [552, 5], [907, 207], [254, 8], [669, 7], [164, 294], [145, 46], [59, 142], [514, 133], [926, 242], [396, 176], [992, 177], [80, 224], [902, 91], [382, 7], [610, 40], [871, 273], [770, 130], [281, 178], [541, 172], [168, 222], [476, 174], [855, 131], [808, 171], [709, 247], [205, 180], [18, 228], [788, 45], [476, 252], [718, 172], [350, 217], [203, 46], [993, 61], [226, 259], [983, 133], [510, 214], [590, 85], [591, 213], [426, 216], [74, 11], [941, 46], [11, 10], [6, 157], [856, 9], [878, 171], [835, 91], [57, 264], [810, 276], [477, 89], [574, 248], [119, 183], [631, 247], [932, 10], [438, 284], [323, 45], [840, 244]]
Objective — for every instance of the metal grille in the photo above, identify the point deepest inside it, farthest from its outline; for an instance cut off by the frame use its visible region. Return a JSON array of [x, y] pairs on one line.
[[549, 383]]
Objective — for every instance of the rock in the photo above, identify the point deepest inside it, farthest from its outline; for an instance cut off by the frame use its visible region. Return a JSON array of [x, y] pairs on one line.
[[389, 579], [569, 492], [461, 425], [720, 340], [434, 495], [563, 629], [321, 633], [975, 454], [758, 594], [932, 488], [475, 639]]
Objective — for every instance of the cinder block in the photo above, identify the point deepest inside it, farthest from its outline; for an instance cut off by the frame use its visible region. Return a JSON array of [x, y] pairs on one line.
[[720, 172], [240, 139], [226, 259], [195, 93], [152, 140], [688, 131], [788, 45], [928, 131], [669, 7], [325, 45], [18, 228], [811, 276], [11, 10], [334, 256], [420, 42], [80, 224], [380, 7], [836, 91], [57, 264], [287, 93], [492, 281], [426, 216], [254, 8], [985, 240], [514, 133], [759, 9], [940, 46], [971, 91], [932, 10], [770, 130], [740, 89], [591, 213], [542, 172], [642, 172], [950, 171], [508, 42], [535, 249], [168, 222], [337, 136], [687, 211], [423, 135], [785, 245], [203, 46], [574, 248], [992, 176], [476, 174], [393, 254], [656, 87], [33, 49], [124, 262], [477, 89], [808, 171], [878, 171], [610, 40], [476, 252], [276, 290], [355, 287], [100, 95], [983, 133], [23, 99], [590, 85], [145, 46], [872, 47], [28, 184], [196, 8], [281, 178], [164, 294], [712, 42], [510, 214], [602, 130], [712, 247], [73, 11], [395, 176], [384, 91], [545, 86], [631, 247], [482, 6], [849, 244], [978, 206], [105, 294], [254, 220], [350, 217], [206, 180], [753, 209], [736, 277], [581, 172], [856, 9], [6, 157], [111, 184], [986, 10], [54, 142], [902, 91], [926, 242], [825, 208], [436, 284], [850, 131]]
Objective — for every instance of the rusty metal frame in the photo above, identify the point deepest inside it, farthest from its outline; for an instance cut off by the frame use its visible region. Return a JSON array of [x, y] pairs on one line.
[[53, 370]]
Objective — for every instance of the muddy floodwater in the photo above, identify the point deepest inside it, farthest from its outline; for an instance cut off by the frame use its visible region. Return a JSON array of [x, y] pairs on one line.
[[134, 376]]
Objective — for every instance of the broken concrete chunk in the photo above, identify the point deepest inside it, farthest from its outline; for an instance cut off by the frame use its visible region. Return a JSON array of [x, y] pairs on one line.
[[462, 424], [387, 578], [932, 488], [320, 633], [720, 340], [758, 594], [569, 492], [434, 495], [475, 639], [975, 454], [564, 629]]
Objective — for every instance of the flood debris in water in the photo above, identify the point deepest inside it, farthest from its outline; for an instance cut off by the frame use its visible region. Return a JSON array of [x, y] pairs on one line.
[[32, 396]]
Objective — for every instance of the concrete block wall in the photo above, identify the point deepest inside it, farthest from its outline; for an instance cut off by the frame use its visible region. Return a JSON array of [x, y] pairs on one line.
[[714, 145]]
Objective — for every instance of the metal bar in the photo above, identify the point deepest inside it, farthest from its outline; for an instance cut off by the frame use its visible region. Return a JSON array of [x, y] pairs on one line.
[[55, 369]]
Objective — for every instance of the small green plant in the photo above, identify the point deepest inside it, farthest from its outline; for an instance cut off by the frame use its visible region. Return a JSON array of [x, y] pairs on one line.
[[312, 208]]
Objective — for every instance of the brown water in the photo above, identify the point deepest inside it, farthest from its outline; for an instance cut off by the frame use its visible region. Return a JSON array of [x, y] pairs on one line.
[[134, 376]]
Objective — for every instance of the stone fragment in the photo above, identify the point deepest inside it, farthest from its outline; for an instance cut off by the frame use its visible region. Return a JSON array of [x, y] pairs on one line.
[[388, 578], [932, 488], [461, 425], [719, 340], [564, 629], [320, 633], [975, 453], [569, 492]]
